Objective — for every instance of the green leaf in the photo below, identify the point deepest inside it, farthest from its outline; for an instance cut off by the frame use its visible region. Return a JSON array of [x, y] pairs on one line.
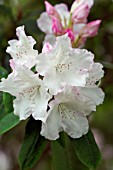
[[87, 150], [33, 145], [63, 154], [8, 122], [3, 72], [8, 102], [107, 64]]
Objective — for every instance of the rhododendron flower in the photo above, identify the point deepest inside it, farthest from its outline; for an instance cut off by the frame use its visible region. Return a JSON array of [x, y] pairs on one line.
[[31, 95], [64, 66], [69, 109], [63, 89], [22, 50], [57, 20]]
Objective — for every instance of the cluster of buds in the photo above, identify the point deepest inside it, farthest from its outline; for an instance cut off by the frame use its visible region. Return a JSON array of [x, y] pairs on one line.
[[58, 20]]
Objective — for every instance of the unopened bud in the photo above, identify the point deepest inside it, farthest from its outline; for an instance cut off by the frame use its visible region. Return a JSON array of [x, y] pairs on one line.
[[91, 29], [51, 10], [56, 26]]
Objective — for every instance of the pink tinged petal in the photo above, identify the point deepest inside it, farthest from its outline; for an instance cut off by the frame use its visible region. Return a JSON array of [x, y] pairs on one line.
[[91, 29], [64, 13], [61, 7], [89, 2], [78, 3], [12, 64], [56, 26], [81, 13], [45, 23], [47, 47], [51, 10], [22, 50], [70, 34]]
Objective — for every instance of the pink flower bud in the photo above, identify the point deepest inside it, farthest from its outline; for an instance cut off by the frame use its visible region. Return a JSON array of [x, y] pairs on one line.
[[56, 26], [47, 47], [91, 29], [51, 10], [70, 34], [77, 3], [81, 13]]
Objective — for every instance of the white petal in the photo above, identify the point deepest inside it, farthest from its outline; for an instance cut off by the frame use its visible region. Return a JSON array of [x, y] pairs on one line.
[[52, 127], [89, 2], [79, 2], [32, 103], [19, 80], [82, 100], [45, 23], [95, 74], [50, 38], [62, 9], [22, 107], [78, 27], [40, 105], [75, 126], [92, 97], [22, 50]]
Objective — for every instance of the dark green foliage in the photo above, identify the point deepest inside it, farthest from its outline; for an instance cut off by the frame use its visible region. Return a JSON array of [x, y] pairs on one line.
[[63, 154], [87, 150], [8, 122], [8, 102], [33, 145]]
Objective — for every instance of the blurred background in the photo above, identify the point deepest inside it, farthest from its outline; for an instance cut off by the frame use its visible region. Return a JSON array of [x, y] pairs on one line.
[[14, 13]]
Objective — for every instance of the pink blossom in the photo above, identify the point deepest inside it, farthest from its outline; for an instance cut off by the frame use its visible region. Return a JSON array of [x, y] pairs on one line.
[[70, 34], [56, 26], [91, 29], [81, 13], [58, 20], [51, 10]]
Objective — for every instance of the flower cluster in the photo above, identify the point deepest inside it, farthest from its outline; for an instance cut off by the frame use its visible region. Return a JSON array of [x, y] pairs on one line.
[[58, 20], [61, 91]]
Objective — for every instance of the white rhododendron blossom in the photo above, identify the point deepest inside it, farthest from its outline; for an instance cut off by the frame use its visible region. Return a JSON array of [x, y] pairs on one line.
[[58, 20], [61, 91], [22, 50], [31, 96], [64, 65], [69, 109]]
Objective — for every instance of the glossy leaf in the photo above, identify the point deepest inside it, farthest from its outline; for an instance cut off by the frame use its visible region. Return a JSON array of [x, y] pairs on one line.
[[8, 102], [63, 154], [8, 122], [87, 150], [33, 145]]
